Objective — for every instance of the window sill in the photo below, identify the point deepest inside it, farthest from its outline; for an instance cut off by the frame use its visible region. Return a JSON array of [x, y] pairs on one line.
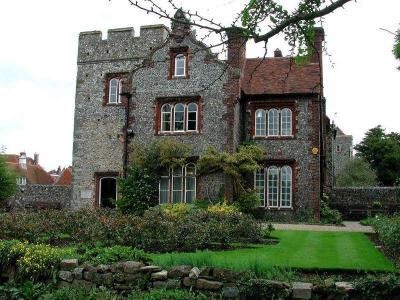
[[113, 104], [174, 133], [173, 77], [291, 137], [277, 208]]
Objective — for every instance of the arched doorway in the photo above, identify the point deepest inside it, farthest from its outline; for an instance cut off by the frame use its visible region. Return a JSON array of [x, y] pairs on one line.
[[107, 192]]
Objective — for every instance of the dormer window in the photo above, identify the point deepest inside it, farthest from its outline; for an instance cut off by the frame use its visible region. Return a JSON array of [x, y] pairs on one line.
[[21, 180], [180, 65], [115, 86]]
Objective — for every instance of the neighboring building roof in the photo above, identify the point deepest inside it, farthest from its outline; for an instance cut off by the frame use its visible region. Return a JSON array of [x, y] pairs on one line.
[[65, 177], [33, 173], [280, 75]]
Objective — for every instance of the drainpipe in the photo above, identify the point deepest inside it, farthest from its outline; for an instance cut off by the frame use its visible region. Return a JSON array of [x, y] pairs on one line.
[[321, 145], [128, 132]]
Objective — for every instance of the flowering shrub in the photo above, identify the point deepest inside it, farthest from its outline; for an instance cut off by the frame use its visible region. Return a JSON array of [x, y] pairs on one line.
[[388, 229], [176, 210], [223, 208], [32, 261]]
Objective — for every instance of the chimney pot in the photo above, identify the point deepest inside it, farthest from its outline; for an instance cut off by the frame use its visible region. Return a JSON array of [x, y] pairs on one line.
[[319, 37], [22, 160], [277, 53]]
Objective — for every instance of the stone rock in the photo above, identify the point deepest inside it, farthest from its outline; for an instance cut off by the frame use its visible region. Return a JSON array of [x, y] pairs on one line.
[[104, 278], [187, 282], [159, 284], [78, 273], [203, 284], [230, 293], [68, 264], [179, 271], [103, 268], [162, 275], [194, 273], [89, 275], [83, 284], [119, 277], [66, 276], [301, 290], [150, 269], [88, 267], [344, 286], [206, 271], [278, 284], [173, 284], [118, 267], [132, 267], [132, 277], [63, 284], [224, 274]]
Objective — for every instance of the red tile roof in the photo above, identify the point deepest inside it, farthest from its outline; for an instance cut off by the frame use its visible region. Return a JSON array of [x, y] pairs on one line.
[[34, 174], [280, 75], [65, 177]]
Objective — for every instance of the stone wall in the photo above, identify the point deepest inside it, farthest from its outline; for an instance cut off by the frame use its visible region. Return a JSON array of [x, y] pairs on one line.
[[342, 152], [357, 203], [41, 196]]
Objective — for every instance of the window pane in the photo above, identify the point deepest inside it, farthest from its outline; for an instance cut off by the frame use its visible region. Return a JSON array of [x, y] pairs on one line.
[[180, 61], [192, 116], [164, 190], [260, 122], [286, 122], [273, 122], [179, 117], [259, 183], [286, 186], [190, 183], [273, 187], [166, 117], [113, 91], [177, 186]]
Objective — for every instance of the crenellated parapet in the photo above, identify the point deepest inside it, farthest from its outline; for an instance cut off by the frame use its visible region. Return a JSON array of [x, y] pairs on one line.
[[120, 44]]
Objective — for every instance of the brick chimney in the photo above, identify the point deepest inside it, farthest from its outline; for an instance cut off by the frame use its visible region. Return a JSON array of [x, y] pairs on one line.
[[236, 47], [277, 52], [22, 160], [319, 37], [36, 158]]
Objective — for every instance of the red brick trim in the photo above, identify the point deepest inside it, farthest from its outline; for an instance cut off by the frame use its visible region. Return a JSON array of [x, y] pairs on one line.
[[278, 104], [97, 177], [106, 84], [159, 102], [174, 52]]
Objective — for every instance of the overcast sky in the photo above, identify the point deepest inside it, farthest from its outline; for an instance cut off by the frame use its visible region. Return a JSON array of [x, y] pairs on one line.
[[38, 52]]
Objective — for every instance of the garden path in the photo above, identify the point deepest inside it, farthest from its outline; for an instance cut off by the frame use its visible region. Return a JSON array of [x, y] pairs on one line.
[[349, 226]]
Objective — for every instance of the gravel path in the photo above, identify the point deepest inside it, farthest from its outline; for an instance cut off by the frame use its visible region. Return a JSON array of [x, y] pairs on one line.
[[348, 227]]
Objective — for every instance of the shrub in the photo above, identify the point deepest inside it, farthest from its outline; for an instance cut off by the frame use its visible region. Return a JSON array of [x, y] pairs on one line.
[[23, 290], [375, 288], [356, 172], [156, 230], [329, 215], [177, 209], [165, 295], [33, 261], [7, 182], [388, 229], [80, 294], [102, 255], [247, 201], [222, 208]]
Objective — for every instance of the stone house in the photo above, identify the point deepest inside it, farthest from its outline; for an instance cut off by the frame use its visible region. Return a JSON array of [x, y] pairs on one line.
[[342, 150], [165, 83]]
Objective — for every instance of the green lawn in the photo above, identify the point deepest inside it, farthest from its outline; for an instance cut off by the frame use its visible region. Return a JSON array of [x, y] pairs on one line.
[[296, 249]]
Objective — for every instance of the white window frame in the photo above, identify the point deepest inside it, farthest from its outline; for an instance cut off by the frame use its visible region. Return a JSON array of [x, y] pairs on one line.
[[277, 187], [173, 187], [117, 91], [179, 56], [187, 117], [262, 133], [184, 113], [262, 201], [290, 188], [276, 124], [21, 180], [290, 123], [195, 181], [169, 187], [170, 117]]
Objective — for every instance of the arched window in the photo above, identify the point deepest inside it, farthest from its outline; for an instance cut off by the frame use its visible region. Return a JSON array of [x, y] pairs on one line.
[[191, 117], [273, 174], [166, 114], [164, 188], [273, 122], [260, 122], [180, 65], [113, 91], [286, 187], [259, 185], [286, 122], [190, 181], [177, 185], [179, 117]]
